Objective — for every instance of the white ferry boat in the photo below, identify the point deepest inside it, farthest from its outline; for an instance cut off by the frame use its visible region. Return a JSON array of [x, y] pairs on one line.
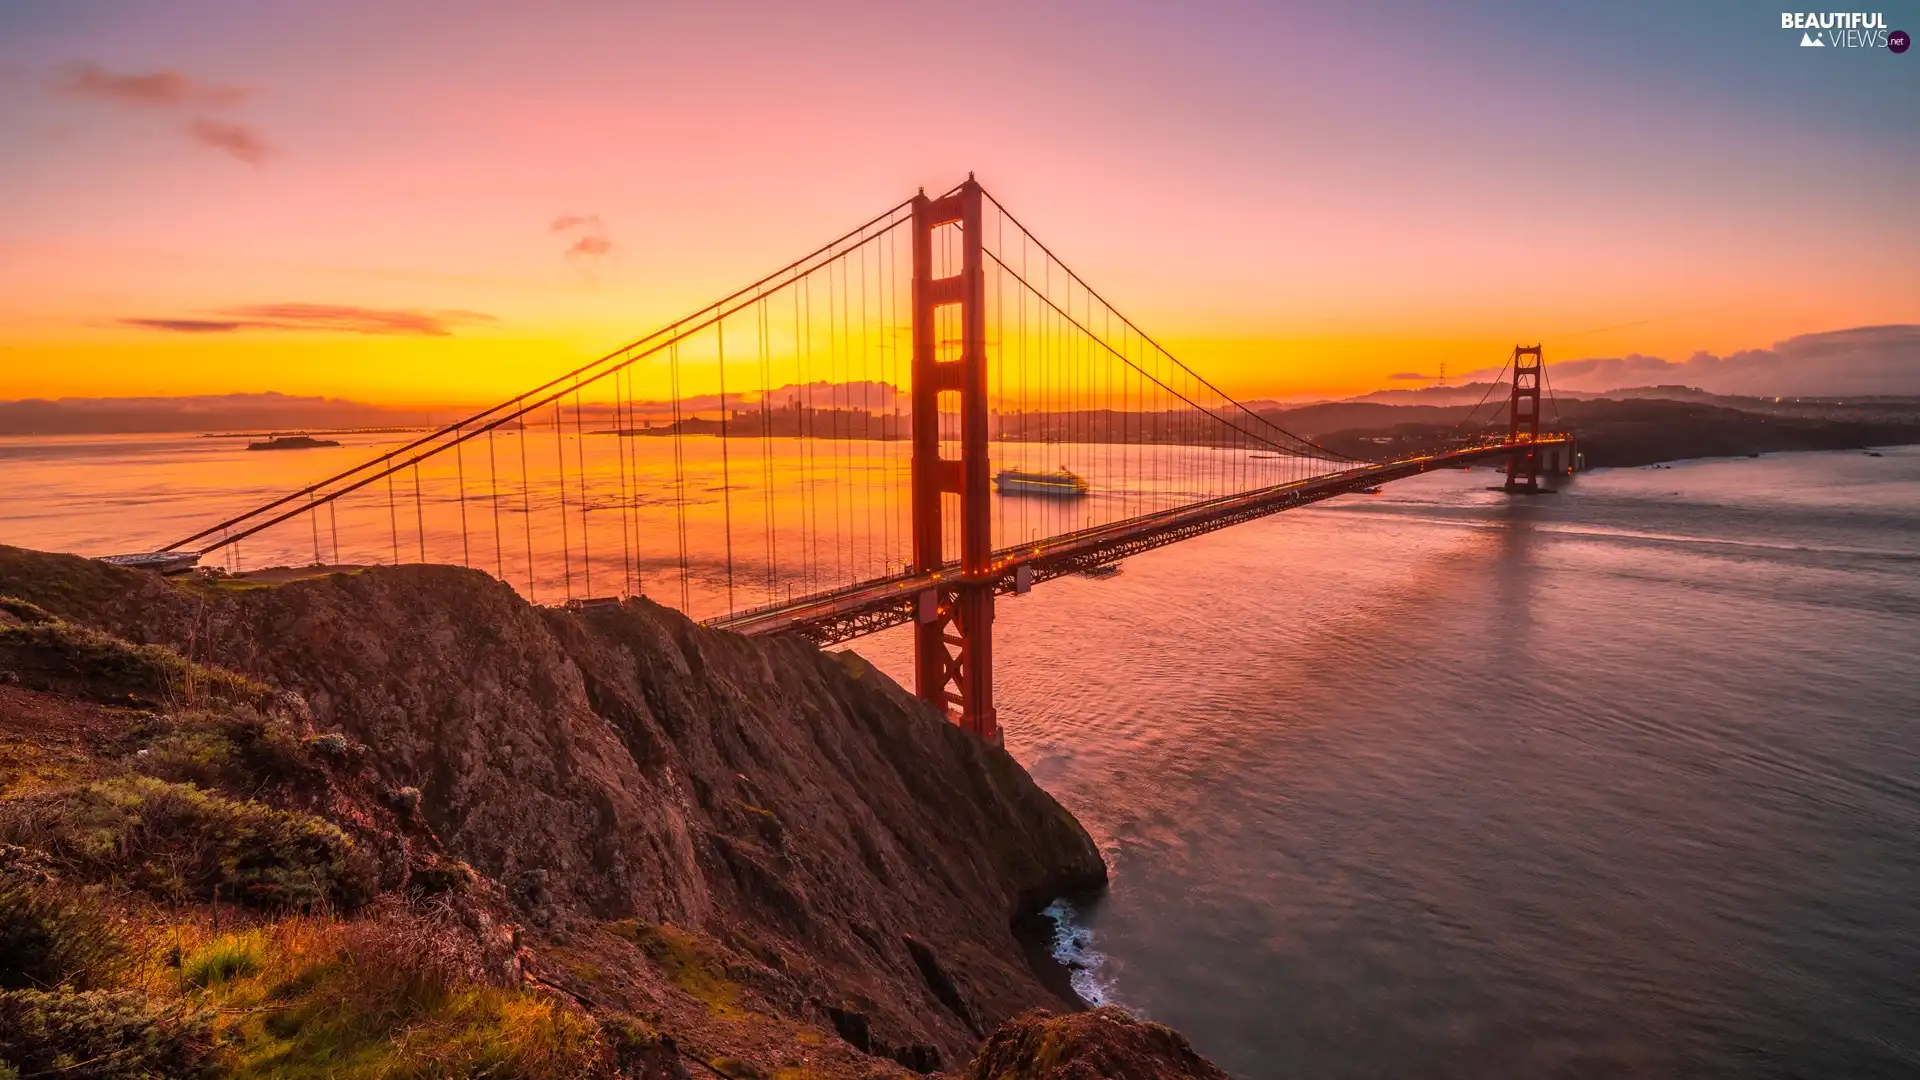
[[1059, 484]]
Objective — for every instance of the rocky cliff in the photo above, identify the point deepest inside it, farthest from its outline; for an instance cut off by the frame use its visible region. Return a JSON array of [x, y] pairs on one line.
[[749, 842]]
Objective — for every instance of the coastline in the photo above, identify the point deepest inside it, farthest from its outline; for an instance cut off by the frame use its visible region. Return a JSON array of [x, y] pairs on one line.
[[732, 840]]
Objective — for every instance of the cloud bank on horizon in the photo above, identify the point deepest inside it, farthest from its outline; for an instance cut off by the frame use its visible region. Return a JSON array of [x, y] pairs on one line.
[[1860, 360]]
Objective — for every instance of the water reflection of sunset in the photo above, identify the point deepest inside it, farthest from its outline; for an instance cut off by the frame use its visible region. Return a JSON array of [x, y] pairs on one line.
[[839, 513]]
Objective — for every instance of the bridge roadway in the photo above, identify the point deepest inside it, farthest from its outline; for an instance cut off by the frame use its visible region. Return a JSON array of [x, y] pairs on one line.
[[869, 606]]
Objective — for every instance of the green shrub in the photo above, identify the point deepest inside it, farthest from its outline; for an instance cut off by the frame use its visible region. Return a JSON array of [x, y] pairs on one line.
[[24, 610], [66, 656], [688, 961], [51, 937], [230, 751], [223, 960], [437, 875], [330, 743], [179, 842], [104, 1035], [733, 1068], [630, 1038]]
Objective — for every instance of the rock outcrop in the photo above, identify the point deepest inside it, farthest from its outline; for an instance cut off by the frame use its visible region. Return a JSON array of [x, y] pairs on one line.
[[786, 824], [1104, 1044]]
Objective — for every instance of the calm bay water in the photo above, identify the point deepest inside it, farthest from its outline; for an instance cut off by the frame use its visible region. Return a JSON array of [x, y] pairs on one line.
[[1619, 781], [708, 525], [1439, 782]]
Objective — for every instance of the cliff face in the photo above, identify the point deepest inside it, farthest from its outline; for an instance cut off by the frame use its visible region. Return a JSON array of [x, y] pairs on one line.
[[643, 788]]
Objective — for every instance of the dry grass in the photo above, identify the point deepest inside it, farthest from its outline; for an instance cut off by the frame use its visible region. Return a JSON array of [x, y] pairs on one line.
[[392, 995]]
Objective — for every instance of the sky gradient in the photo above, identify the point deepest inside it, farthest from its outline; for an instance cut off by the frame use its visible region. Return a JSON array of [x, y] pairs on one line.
[[420, 204]]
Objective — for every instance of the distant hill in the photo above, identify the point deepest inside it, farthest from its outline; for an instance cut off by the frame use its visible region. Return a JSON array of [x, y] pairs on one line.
[[213, 412], [1471, 393], [1463, 394], [1621, 430]]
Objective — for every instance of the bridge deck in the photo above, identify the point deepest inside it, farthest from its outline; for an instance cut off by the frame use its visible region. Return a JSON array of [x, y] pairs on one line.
[[864, 608]]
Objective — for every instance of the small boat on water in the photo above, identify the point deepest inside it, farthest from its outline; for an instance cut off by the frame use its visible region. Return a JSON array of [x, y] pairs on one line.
[[291, 442], [1366, 491], [1103, 570], [1060, 484]]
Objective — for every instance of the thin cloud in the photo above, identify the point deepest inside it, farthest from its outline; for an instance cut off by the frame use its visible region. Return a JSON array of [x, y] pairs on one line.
[[591, 247], [160, 89], [592, 243], [162, 92], [337, 318], [238, 140], [186, 326], [1409, 376]]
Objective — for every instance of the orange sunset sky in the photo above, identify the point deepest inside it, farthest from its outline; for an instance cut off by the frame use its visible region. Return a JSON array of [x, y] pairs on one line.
[[362, 199]]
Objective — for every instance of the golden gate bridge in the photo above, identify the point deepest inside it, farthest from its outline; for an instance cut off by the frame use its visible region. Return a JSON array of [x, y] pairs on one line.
[[823, 460]]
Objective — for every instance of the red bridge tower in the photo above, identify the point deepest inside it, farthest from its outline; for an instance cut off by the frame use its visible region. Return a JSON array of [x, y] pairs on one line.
[[953, 627], [1523, 420]]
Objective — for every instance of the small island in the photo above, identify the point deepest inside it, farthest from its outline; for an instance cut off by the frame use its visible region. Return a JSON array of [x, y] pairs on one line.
[[291, 442]]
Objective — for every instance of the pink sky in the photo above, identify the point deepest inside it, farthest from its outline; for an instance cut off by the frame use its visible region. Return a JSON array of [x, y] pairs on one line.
[[1297, 203]]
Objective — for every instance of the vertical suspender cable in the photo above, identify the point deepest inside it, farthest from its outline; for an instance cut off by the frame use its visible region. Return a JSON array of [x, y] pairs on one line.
[[996, 401], [393, 521], [866, 411], [680, 479], [460, 466], [633, 504], [493, 491], [766, 449], [560, 460], [726, 473], [580, 457], [620, 439], [419, 514], [810, 513], [834, 388], [526, 507]]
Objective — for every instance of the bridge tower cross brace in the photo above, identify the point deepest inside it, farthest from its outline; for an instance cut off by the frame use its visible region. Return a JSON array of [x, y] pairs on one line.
[[953, 626], [1523, 420]]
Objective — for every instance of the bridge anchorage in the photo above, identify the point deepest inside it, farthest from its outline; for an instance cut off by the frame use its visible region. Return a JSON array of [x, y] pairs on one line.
[[816, 454]]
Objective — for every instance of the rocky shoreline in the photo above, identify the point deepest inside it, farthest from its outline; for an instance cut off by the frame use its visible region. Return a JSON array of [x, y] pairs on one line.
[[752, 857]]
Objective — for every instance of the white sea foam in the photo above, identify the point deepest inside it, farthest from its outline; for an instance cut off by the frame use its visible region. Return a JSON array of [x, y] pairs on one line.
[[1073, 948]]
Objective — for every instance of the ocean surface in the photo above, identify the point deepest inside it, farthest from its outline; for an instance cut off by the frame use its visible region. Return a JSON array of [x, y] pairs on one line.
[[1623, 780]]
